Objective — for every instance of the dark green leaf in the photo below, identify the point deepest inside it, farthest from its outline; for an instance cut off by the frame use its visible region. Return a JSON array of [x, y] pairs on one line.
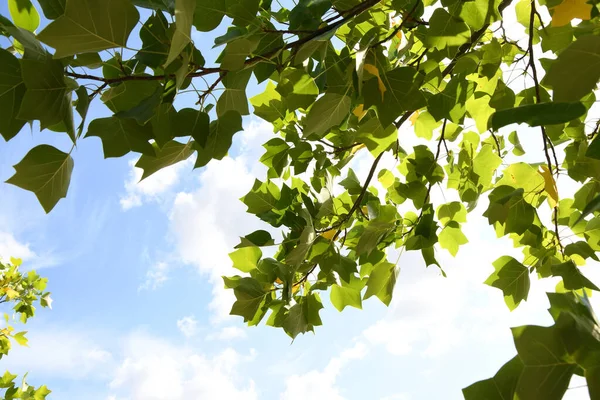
[[537, 114], [45, 171], [12, 90], [501, 387], [120, 136], [576, 71], [90, 26], [171, 153]]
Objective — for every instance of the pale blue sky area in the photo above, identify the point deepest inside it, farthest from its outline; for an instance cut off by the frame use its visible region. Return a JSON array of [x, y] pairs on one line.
[[138, 308]]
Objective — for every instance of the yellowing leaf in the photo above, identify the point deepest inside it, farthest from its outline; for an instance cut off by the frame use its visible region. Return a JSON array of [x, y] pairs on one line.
[[359, 112], [563, 13], [11, 293], [413, 118], [16, 261], [357, 148], [370, 68], [549, 186], [329, 234]]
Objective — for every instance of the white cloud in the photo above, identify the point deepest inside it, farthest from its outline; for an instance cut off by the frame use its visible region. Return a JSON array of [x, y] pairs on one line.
[[206, 224], [11, 247], [228, 333], [188, 326], [156, 276], [321, 385], [61, 353], [152, 188], [171, 373]]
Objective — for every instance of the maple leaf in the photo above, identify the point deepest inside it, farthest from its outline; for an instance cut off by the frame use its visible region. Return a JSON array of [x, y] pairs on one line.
[[566, 11]]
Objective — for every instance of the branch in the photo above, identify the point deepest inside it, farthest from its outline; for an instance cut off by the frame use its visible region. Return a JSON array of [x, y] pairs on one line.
[[211, 88], [407, 17], [475, 36], [203, 72], [353, 12], [538, 99], [359, 199]]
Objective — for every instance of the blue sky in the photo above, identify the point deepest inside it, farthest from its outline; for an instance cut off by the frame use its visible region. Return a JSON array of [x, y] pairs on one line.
[[140, 312]]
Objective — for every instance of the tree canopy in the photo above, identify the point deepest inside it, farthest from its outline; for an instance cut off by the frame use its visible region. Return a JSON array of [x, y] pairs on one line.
[[341, 77], [20, 291]]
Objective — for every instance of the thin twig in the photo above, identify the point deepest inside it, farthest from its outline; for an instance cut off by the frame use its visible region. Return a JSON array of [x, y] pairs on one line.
[[538, 99]]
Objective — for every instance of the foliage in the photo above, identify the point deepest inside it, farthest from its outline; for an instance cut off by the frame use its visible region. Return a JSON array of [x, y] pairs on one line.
[[21, 291], [342, 77]]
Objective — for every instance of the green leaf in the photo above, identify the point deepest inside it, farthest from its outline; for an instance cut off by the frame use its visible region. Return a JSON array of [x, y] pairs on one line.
[[164, 124], [24, 14], [451, 238], [130, 94], [591, 207], [256, 238], [249, 295], [12, 90], [45, 171], [184, 15], [576, 71], [194, 123], [53, 8], [402, 94], [547, 372], [234, 97], [342, 296], [46, 97], [375, 137], [297, 88], [236, 52], [305, 242], [501, 387], [242, 12], [572, 277], [478, 13], [209, 14], [156, 36], [382, 281], [263, 197], [41, 393], [376, 230], [145, 110], [219, 139], [453, 211], [246, 259], [33, 49], [296, 321], [537, 114], [91, 26], [269, 105], [83, 104], [445, 30], [20, 338], [165, 5], [327, 112], [120, 136], [171, 153], [512, 278]]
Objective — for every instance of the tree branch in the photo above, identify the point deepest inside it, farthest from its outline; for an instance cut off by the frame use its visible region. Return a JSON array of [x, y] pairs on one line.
[[475, 36], [351, 13], [538, 99]]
